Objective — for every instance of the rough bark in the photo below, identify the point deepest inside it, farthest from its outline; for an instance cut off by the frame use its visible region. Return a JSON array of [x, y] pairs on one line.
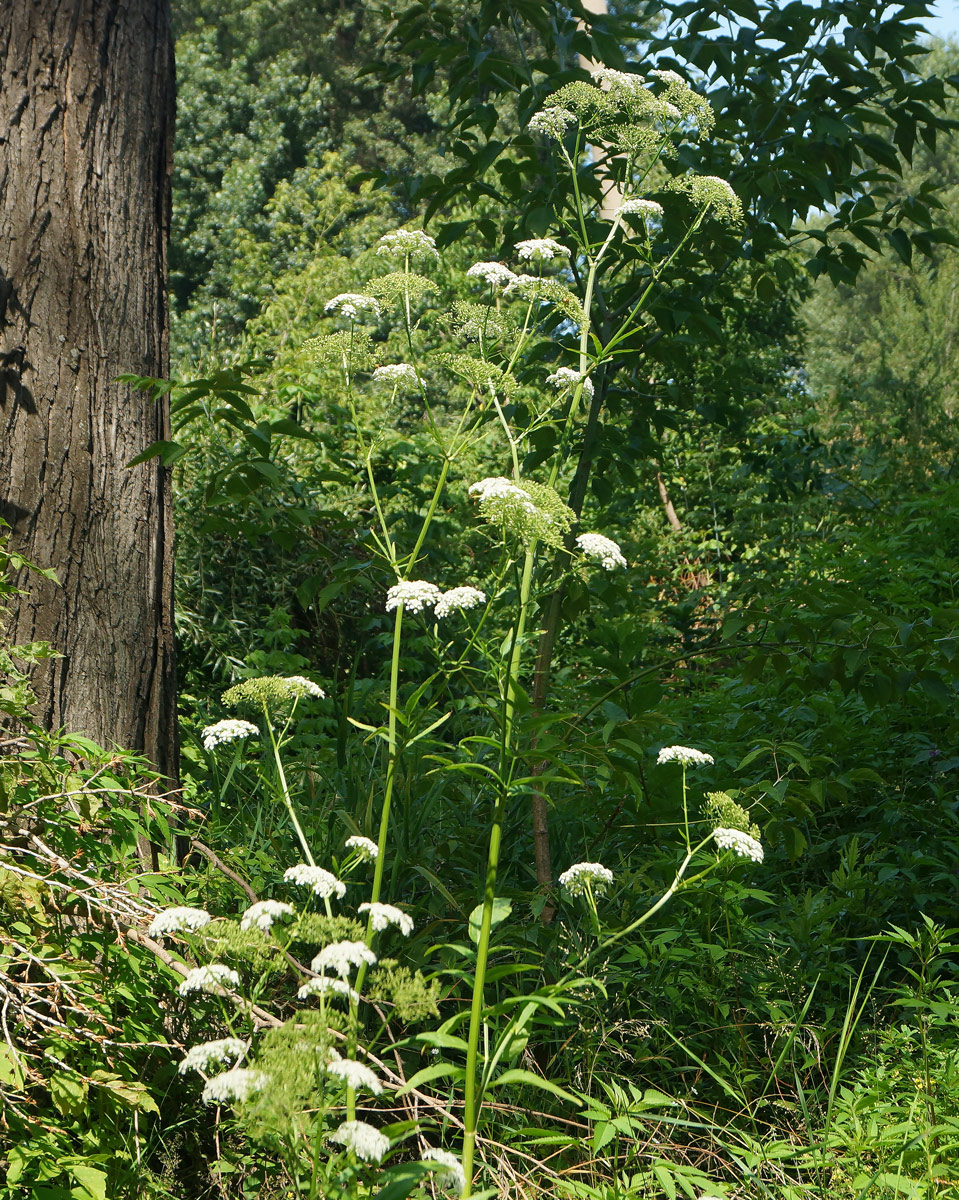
[[86, 123]]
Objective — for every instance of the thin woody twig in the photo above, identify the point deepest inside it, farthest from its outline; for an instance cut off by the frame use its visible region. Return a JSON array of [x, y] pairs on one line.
[[223, 868]]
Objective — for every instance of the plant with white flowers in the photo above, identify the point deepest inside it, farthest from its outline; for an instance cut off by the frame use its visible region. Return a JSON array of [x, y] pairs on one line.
[[303, 1074], [513, 456]]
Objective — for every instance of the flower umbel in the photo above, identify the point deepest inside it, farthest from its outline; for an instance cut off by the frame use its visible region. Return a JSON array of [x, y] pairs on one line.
[[413, 594], [620, 80], [342, 957], [451, 1175], [540, 248], [711, 192], [355, 1074], [325, 986], [566, 377], [493, 273], [322, 882], [603, 549], [208, 1054], [208, 979], [740, 843], [367, 849], [382, 916], [364, 1140], [351, 304], [397, 374], [580, 876], [684, 755], [403, 242], [262, 914], [301, 686], [553, 122], [458, 598], [532, 511], [226, 731], [640, 208], [178, 920], [276, 693], [236, 1086]]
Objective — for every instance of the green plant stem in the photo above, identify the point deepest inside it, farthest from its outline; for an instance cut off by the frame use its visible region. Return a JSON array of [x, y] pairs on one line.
[[685, 810], [430, 513], [392, 752], [473, 1097], [285, 793], [678, 882]]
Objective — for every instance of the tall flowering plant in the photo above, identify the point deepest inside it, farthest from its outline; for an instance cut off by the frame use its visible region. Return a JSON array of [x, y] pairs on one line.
[[535, 536]]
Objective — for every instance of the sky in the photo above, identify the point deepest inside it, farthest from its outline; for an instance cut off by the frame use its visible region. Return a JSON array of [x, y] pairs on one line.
[[946, 21]]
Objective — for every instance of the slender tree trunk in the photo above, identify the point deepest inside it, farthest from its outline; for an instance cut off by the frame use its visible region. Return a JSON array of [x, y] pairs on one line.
[[86, 124], [612, 196], [671, 516]]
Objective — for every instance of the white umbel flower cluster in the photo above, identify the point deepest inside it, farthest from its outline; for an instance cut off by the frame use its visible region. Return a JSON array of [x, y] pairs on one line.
[[301, 686], [583, 875], [603, 549], [403, 242], [740, 843], [234, 1086], [382, 916], [458, 598], [396, 374], [262, 914], [620, 80], [451, 1176], [493, 273], [669, 76], [685, 755], [178, 920], [553, 122], [226, 731], [322, 882], [342, 957], [367, 849], [325, 986], [351, 304], [497, 487], [540, 248], [640, 208], [413, 594], [208, 1054], [208, 979], [355, 1074], [364, 1140], [566, 377]]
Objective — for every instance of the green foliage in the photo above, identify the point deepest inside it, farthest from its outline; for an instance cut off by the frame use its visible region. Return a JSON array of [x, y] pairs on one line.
[[706, 1027], [81, 1083], [789, 139], [274, 118], [881, 360]]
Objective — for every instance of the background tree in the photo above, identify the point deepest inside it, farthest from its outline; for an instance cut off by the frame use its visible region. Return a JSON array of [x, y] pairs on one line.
[[87, 116], [883, 358]]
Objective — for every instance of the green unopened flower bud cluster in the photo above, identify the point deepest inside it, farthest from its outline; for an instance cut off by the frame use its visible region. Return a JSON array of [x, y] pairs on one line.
[[623, 98], [275, 693], [531, 512], [710, 193], [720, 809]]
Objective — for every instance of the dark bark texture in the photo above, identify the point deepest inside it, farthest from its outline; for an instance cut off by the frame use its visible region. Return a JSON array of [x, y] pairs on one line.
[[86, 125]]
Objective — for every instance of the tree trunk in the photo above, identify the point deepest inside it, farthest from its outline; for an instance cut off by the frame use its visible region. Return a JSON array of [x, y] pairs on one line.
[[671, 517], [86, 125]]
